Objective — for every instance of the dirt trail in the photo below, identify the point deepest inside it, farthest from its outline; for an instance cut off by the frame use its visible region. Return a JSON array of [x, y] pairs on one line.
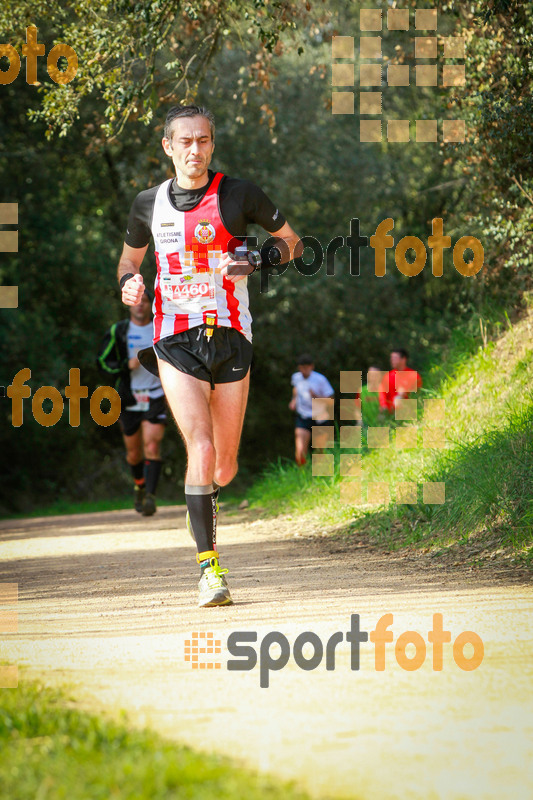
[[107, 601]]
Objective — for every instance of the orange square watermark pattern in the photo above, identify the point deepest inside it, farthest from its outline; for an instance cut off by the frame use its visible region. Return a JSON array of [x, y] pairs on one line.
[[200, 645], [430, 435], [427, 47]]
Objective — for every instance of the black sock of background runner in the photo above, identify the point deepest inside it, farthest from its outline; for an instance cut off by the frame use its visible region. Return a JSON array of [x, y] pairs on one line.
[[137, 470], [152, 470], [200, 508]]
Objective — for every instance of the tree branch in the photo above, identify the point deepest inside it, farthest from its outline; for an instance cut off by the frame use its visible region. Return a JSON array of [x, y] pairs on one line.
[[522, 189]]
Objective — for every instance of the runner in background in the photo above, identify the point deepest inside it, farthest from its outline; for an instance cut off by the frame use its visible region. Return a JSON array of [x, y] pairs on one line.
[[398, 384], [307, 386], [143, 416]]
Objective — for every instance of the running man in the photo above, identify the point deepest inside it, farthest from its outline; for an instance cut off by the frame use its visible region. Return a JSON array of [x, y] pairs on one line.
[[144, 415], [399, 382], [202, 323], [307, 385]]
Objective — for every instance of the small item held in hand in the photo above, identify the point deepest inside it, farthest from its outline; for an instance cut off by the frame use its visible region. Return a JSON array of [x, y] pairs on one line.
[[253, 257]]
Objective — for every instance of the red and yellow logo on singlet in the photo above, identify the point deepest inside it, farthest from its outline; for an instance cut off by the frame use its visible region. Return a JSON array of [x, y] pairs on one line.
[[204, 232]]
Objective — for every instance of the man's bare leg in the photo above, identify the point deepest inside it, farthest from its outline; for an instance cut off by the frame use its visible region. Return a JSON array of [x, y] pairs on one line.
[[152, 436], [134, 457], [302, 437], [152, 433], [228, 406], [189, 400]]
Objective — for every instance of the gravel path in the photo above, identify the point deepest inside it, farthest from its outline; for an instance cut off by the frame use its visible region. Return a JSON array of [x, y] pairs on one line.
[[107, 602]]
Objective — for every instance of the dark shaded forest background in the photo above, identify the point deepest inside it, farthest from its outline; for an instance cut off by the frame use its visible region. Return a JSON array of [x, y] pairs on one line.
[[75, 157]]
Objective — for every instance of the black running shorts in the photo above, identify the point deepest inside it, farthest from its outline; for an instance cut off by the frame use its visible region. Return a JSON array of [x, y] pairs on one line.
[[308, 422], [130, 421], [224, 358]]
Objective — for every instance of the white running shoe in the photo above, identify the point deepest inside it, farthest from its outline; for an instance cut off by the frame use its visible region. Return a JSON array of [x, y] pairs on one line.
[[213, 586]]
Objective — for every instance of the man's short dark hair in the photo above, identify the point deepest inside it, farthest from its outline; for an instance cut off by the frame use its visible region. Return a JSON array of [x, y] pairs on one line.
[[402, 352], [305, 359], [177, 112]]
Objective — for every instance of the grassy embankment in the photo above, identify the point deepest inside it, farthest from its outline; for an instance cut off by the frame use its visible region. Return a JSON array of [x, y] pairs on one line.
[[487, 465], [50, 749]]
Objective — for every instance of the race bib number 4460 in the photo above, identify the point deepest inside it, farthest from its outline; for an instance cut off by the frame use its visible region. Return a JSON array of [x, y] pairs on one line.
[[189, 290], [190, 293]]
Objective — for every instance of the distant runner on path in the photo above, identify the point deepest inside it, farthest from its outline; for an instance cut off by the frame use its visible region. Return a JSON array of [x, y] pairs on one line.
[[144, 410], [307, 386]]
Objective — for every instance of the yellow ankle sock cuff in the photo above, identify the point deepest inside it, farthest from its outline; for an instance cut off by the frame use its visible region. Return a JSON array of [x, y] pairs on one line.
[[206, 555]]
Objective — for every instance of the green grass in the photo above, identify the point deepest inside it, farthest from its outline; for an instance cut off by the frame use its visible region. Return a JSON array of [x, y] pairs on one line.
[[52, 751], [490, 480], [487, 467]]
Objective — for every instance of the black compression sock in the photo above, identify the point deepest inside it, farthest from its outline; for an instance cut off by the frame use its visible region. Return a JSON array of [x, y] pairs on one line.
[[201, 507], [152, 470], [214, 501], [137, 470]]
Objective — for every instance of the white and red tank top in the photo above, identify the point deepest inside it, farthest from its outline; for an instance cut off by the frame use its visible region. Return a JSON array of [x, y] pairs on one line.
[[189, 289]]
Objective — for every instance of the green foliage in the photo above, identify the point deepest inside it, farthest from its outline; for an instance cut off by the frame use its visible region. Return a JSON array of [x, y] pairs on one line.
[[51, 749], [487, 467], [263, 67], [133, 55], [497, 500], [497, 104]]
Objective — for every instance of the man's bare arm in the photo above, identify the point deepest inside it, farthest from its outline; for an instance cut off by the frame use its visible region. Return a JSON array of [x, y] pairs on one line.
[[130, 260], [291, 239], [292, 404], [130, 263]]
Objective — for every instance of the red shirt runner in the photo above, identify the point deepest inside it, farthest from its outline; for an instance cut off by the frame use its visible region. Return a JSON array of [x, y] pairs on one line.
[[396, 381]]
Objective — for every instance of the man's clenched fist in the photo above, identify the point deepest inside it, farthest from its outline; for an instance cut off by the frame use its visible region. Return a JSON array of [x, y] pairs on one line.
[[133, 290]]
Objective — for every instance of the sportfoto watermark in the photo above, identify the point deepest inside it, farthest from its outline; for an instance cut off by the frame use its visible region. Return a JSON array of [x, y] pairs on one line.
[[380, 242], [74, 392], [274, 650], [32, 50]]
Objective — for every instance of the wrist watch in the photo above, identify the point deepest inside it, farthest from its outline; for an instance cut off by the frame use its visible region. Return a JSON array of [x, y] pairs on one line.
[[254, 258]]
